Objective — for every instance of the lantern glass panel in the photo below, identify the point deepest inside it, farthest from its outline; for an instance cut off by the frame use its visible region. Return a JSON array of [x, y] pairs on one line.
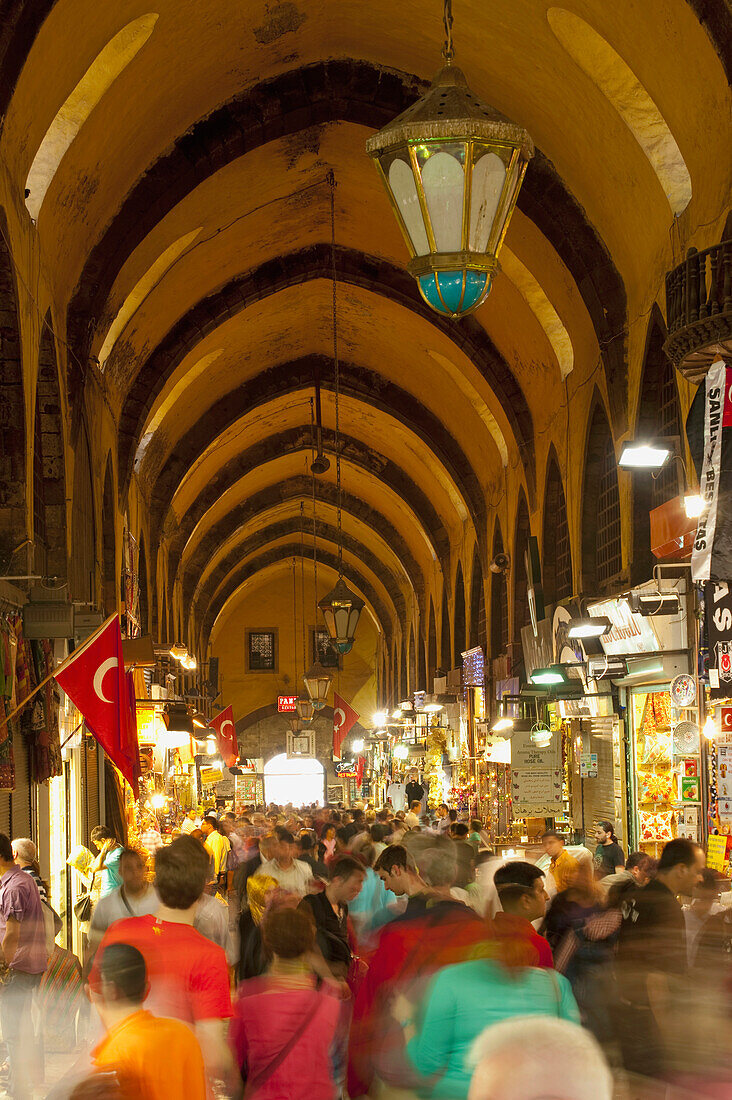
[[443, 179], [406, 199], [489, 177]]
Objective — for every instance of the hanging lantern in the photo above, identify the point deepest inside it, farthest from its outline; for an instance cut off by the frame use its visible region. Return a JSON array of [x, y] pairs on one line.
[[341, 610], [305, 709], [452, 167], [295, 723], [317, 682]]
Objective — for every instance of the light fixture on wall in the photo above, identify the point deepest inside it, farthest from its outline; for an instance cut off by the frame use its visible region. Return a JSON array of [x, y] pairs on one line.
[[593, 626], [549, 677], [452, 168], [644, 455], [341, 608]]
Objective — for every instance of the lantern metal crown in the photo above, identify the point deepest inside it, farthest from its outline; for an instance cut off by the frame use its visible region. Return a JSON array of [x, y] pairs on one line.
[[452, 167]]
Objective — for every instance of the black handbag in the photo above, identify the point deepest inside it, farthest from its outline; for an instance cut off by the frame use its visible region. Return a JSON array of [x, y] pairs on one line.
[[83, 908]]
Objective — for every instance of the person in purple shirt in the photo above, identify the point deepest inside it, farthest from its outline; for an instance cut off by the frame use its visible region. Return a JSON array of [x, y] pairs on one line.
[[23, 946]]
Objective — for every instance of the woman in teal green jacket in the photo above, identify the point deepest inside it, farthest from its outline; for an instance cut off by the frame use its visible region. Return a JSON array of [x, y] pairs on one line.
[[465, 999]]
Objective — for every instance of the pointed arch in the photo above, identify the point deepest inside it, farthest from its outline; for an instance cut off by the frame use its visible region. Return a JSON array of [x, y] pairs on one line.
[[556, 557], [499, 600], [458, 623], [445, 647], [602, 557], [659, 417], [431, 648], [521, 616], [477, 606], [83, 576], [49, 477], [12, 420]]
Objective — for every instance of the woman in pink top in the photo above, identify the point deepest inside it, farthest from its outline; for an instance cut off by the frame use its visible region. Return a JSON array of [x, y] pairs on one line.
[[289, 1037]]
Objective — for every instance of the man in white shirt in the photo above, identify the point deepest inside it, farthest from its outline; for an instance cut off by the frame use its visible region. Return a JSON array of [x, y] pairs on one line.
[[134, 898], [190, 822], [291, 874], [412, 818]]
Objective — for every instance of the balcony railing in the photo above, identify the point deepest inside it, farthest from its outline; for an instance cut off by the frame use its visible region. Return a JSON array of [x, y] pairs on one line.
[[699, 310]]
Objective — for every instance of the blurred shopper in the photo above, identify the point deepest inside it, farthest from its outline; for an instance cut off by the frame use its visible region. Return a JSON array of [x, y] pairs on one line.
[[266, 848], [135, 897], [309, 855], [563, 866], [701, 930], [609, 856], [652, 956], [443, 818], [218, 847], [397, 870], [523, 899], [327, 842], [516, 1059], [153, 1058], [107, 862], [411, 819], [23, 941], [465, 854], [329, 910], [25, 855], [291, 873], [188, 974], [285, 1032], [638, 871], [189, 823], [252, 957]]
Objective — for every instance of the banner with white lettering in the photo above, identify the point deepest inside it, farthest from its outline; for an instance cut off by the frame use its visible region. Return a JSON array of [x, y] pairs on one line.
[[711, 557], [718, 620]]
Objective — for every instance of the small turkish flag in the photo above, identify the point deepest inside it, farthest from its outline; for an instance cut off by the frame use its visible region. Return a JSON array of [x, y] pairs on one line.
[[223, 724], [344, 719], [95, 682]]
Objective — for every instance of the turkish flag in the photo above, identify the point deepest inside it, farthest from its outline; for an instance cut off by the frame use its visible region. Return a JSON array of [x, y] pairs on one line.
[[94, 679], [223, 724], [344, 719]]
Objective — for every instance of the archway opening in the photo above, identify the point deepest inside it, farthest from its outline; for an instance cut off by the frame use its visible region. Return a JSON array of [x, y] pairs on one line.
[[299, 781]]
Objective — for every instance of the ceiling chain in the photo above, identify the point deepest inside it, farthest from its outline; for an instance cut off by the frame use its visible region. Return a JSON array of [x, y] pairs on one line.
[[448, 50], [336, 365]]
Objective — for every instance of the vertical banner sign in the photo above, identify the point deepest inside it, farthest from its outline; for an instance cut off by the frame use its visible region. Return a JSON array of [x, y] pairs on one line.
[[718, 619], [711, 557], [344, 719]]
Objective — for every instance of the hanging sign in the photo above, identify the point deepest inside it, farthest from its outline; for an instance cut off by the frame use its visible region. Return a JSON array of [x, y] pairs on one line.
[[210, 776], [718, 618], [726, 719], [536, 776], [711, 557], [286, 703], [630, 633]]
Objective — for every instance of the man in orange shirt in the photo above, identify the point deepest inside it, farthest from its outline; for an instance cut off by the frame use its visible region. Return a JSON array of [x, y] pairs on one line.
[[154, 1058], [563, 866]]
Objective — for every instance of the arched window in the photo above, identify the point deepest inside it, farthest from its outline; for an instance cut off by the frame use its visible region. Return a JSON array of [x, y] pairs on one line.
[[659, 416], [556, 550], [477, 606], [499, 601], [459, 616], [521, 615], [601, 531], [445, 652]]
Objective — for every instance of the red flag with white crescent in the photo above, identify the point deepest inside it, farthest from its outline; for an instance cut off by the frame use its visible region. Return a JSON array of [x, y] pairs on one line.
[[228, 744], [344, 719], [95, 682]]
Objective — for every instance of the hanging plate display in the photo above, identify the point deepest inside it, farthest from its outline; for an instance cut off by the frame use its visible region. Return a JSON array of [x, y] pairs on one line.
[[683, 690], [686, 738]]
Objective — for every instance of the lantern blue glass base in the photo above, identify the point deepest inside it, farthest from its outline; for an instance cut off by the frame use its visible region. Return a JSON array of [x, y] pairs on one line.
[[454, 293], [343, 647]]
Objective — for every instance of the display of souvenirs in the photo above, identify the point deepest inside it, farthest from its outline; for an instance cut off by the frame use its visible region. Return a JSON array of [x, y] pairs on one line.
[[656, 828], [654, 788], [690, 789]]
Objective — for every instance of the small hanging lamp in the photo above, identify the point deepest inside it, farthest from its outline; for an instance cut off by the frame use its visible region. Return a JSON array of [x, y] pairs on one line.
[[317, 681], [341, 610], [305, 709], [452, 167]]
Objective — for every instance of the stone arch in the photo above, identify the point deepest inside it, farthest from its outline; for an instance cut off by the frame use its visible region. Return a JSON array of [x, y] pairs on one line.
[[109, 543], [144, 601], [556, 558], [445, 647], [458, 622], [658, 417], [478, 631], [49, 477], [12, 416], [83, 563], [601, 524], [521, 616], [499, 600]]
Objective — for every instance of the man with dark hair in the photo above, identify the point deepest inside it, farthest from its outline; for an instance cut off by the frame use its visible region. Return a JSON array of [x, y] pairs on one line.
[[411, 818], [188, 974], [396, 869], [152, 1057], [330, 912], [308, 854], [609, 856], [652, 955], [465, 852], [23, 942], [291, 873], [443, 818], [414, 791], [218, 847], [357, 825], [638, 871], [563, 866], [107, 862], [134, 898], [523, 899]]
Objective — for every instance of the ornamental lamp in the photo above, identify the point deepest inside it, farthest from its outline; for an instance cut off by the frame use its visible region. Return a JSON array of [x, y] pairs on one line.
[[305, 709], [341, 610], [452, 167], [317, 682]]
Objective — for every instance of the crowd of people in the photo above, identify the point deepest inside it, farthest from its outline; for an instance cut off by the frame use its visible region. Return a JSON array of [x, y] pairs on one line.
[[332, 953]]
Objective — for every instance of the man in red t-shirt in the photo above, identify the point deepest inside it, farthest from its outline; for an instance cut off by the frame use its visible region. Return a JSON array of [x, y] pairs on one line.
[[188, 974], [520, 887]]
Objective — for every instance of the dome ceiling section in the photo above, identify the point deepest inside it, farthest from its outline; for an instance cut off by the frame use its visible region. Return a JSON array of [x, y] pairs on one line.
[[298, 440]]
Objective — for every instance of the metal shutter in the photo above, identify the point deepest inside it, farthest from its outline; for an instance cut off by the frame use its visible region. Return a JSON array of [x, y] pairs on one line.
[[593, 800], [20, 799], [90, 792], [5, 797]]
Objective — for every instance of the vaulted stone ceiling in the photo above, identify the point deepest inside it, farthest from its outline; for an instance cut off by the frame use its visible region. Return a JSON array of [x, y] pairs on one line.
[[186, 221]]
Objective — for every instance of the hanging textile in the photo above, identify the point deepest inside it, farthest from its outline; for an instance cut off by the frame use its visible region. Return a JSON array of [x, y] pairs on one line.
[[8, 695], [45, 738]]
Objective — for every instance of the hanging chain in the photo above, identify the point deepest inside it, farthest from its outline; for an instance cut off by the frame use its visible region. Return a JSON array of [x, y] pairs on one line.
[[448, 50], [336, 365], [302, 584], [294, 610], [315, 544]]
